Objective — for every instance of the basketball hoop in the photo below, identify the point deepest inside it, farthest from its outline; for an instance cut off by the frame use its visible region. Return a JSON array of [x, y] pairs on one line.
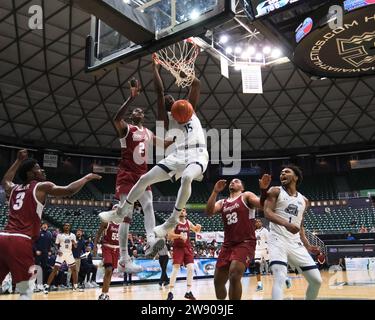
[[179, 59]]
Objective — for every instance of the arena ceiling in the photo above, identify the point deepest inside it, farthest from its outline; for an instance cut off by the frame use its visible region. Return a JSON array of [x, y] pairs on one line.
[[47, 99]]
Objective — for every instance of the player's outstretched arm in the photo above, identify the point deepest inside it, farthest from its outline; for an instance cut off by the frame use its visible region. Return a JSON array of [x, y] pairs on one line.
[[98, 236], [195, 227], [118, 119], [49, 188], [214, 206], [159, 90], [269, 211], [7, 181], [194, 93]]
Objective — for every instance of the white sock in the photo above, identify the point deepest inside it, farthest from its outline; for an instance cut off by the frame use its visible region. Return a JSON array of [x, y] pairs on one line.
[[259, 283]]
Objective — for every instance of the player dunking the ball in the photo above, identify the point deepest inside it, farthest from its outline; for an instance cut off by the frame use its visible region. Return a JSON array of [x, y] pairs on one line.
[[237, 251], [183, 253], [188, 161], [285, 208], [134, 140], [26, 203]]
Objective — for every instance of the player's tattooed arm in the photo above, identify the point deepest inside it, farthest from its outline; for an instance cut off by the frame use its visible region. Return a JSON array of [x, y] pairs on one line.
[[214, 206], [7, 181], [194, 93], [269, 211], [98, 237]]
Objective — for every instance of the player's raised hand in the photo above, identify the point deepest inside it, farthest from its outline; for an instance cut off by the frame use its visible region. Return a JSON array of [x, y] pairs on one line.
[[92, 176], [135, 88], [265, 181], [22, 155], [220, 185], [292, 228]]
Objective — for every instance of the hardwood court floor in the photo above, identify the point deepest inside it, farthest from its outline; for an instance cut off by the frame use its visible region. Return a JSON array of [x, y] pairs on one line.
[[203, 289]]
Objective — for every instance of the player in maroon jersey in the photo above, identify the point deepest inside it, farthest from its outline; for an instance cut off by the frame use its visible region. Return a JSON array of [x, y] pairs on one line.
[[183, 253], [26, 203], [135, 140], [110, 252], [238, 215]]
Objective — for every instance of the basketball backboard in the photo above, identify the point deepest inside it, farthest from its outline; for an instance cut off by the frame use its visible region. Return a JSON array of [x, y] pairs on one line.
[[148, 26]]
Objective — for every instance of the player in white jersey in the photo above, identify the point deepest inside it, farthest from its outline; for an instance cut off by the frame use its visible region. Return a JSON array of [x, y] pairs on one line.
[[188, 160], [65, 242], [287, 243], [261, 252]]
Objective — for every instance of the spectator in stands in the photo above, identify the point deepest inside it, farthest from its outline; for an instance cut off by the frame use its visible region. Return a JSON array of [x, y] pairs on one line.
[[41, 248], [55, 233], [90, 243], [321, 261], [350, 237], [88, 270], [372, 229], [78, 251], [128, 276], [363, 229]]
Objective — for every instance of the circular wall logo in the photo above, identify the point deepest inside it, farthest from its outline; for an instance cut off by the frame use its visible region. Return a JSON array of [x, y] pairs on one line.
[[347, 51]]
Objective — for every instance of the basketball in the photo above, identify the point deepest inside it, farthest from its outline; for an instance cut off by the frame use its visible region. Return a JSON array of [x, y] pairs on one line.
[[182, 111]]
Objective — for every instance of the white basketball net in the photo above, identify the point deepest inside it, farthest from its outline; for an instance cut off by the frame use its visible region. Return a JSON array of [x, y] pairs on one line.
[[179, 59]]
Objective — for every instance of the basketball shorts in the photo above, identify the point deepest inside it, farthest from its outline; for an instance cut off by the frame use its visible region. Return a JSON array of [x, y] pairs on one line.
[[16, 257], [294, 253], [67, 257], [110, 256], [183, 255], [243, 252], [261, 254], [177, 161], [125, 180]]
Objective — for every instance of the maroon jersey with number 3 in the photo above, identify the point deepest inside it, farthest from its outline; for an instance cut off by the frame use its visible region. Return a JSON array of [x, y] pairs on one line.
[[25, 211], [111, 234], [239, 221]]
